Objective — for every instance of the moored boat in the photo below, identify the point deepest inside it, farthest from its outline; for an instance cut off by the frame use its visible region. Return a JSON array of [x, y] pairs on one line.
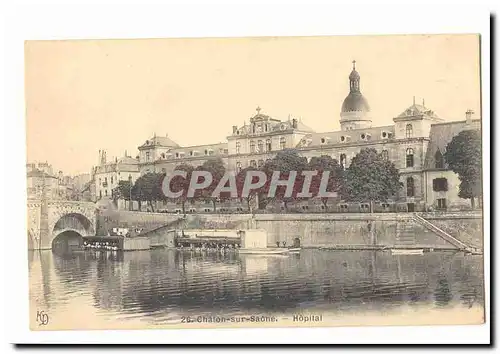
[[274, 250], [407, 251]]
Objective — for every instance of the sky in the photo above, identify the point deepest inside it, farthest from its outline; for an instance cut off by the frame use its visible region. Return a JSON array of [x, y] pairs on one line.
[[87, 95]]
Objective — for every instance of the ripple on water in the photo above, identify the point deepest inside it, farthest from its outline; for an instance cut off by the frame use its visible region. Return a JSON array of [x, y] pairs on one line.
[[163, 285]]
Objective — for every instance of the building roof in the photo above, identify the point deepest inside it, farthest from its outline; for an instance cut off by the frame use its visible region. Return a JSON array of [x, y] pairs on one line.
[[417, 110], [373, 134], [38, 173], [355, 102], [441, 134], [163, 141]]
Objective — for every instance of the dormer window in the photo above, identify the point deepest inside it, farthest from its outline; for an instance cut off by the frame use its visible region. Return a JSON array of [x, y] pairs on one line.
[[389, 135], [162, 155], [237, 132], [147, 142], [206, 152], [191, 153], [177, 155], [363, 136], [282, 126]]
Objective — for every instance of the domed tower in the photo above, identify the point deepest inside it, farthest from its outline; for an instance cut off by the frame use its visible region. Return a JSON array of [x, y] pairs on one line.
[[355, 112]]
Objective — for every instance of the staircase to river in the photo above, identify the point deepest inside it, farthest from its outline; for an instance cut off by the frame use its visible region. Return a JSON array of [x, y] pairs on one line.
[[405, 233], [444, 235]]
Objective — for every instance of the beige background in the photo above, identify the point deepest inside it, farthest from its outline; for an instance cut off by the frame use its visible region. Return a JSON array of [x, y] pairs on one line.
[[83, 96]]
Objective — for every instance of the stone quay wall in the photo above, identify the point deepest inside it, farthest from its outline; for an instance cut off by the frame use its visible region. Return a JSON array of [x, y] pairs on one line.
[[317, 230]]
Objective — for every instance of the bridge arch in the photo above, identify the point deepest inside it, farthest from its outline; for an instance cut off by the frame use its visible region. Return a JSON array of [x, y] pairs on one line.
[[69, 230]]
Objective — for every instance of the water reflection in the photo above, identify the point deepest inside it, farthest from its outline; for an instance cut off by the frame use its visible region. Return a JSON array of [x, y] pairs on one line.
[[153, 283]]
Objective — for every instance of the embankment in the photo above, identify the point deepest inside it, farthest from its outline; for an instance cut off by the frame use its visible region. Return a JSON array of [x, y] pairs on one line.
[[318, 230]]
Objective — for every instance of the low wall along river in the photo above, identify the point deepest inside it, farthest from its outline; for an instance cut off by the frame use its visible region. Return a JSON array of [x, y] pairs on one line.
[[317, 230]]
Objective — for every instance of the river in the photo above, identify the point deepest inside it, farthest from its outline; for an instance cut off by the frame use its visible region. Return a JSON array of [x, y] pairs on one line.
[[165, 288]]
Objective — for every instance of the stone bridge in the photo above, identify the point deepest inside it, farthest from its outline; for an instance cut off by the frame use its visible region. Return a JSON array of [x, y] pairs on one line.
[[49, 220]]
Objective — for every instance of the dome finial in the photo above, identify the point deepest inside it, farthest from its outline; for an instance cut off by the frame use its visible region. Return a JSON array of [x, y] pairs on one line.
[[354, 65], [258, 109]]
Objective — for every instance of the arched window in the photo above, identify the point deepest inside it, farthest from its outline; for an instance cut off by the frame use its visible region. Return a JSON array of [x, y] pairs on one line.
[[385, 154], [409, 157], [268, 145], [282, 142], [252, 146], [410, 187], [238, 146], [409, 130], [439, 159], [253, 163], [260, 146], [238, 167], [343, 160], [260, 163]]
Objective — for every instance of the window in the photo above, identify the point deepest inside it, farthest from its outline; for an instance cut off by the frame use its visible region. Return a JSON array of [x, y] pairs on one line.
[[343, 160], [410, 187], [305, 207], [253, 163], [282, 127], [265, 127], [260, 146], [282, 142], [106, 192], [176, 155], [439, 159], [268, 145], [343, 207], [441, 203], [260, 163], [409, 157], [147, 155], [440, 185], [342, 138], [385, 154], [238, 146], [323, 140], [162, 155], [252, 146], [191, 153], [238, 167], [363, 136], [409, 131], [384, 135], [206, 152], [111, 179], [100, 194]]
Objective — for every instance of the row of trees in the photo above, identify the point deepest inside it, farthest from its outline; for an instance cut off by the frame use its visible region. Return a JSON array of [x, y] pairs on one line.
[[369, 178]]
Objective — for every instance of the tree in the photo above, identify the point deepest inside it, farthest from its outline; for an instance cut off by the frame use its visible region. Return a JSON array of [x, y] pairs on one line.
[[370, 178], [217, 169], [240, 183], [123, 191], [148, 188], [285, 161], [322, 164], [179, 183], [463, 156]]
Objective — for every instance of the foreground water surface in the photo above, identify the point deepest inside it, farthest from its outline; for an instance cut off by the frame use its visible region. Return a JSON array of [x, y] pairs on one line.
[[95, 289]]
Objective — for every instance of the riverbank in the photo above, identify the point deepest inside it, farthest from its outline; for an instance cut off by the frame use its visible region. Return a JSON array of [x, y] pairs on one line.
[[325, 230]]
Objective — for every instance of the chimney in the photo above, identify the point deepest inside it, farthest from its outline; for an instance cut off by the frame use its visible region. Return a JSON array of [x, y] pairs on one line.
[[468, 116], [294, 123], [235, 129]]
